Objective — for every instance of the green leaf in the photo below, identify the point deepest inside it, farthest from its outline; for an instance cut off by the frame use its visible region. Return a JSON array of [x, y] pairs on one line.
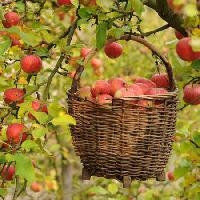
[[54, 109], [2, 158], [39, 132], [42, 51], [138, 6], [20, 6], [113, 188], [4, 45], [31, 39], [196, 64], [30, 145], [181, 171], [25, 108], [3, 192], [101, 31], [63, 120], [41, 117], [24, 167], [75, 3], [97, 190]]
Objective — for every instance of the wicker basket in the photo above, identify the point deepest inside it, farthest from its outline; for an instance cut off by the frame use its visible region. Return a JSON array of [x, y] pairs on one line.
[[124, 141]]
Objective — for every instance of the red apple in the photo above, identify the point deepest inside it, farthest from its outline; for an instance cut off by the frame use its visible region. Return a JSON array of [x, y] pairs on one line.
[[31, 64], [85, 92], [184, 50], [170, 176], [11, 19], [175, 7], [8, 173], [145, 81], [36, 187], [156, 91], [104, 99], [64, 2], [192, 94], [16, 133], [161, 80], [38, 106], [96, 63], [14, 95], [100, 87], [84, 52], [113, 49], [116, 84], [137, 88], [179, 35], [144, 87]]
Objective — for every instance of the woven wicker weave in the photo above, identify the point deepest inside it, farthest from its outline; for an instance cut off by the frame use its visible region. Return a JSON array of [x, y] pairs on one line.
[[125, 140]]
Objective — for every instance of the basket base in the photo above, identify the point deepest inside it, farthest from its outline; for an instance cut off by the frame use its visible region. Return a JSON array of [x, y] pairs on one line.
[[126, 180]]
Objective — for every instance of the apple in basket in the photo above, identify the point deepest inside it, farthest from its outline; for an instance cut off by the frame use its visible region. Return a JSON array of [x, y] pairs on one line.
[[104, 99], [100, 87], [116, 84], [85, 92]]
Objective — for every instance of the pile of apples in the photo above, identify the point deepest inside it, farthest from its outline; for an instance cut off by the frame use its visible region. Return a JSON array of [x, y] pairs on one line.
[[102, 92]]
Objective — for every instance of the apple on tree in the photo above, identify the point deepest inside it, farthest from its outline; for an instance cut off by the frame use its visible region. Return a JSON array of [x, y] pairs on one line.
[[31, 64], [14, 95], [11, 19], [84, 52], [185, 51], [64, 2], [179, 35], [113, 49], [192, 94], [16, 133], [96, 63], [8, 172], [36, 187], [38, 106], [170, 176]]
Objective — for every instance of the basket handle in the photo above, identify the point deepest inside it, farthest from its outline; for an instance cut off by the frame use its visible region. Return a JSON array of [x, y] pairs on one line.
[[128, 37]]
